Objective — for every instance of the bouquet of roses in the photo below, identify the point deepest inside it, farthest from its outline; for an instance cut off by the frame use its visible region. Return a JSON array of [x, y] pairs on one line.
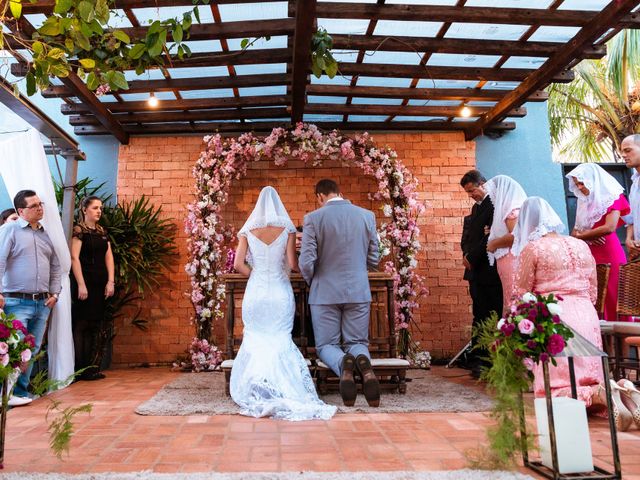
[[16, 345], [533, 330]]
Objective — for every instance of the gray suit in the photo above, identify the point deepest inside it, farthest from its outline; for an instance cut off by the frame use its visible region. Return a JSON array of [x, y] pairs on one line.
[[339, 241]]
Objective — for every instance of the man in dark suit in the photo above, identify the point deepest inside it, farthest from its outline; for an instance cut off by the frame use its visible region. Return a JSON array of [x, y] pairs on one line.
[[484, 283]]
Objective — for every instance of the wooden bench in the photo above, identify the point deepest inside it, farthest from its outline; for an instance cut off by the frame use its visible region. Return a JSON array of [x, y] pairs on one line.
[[391, 371]]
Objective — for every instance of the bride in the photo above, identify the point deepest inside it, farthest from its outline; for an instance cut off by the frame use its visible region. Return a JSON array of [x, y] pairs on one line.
[[269, 375]]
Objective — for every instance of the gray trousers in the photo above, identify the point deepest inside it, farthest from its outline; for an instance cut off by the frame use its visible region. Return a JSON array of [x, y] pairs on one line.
[[340, 329]]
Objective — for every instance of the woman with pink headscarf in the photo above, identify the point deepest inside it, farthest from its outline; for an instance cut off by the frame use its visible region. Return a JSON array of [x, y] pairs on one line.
[[601, 204]]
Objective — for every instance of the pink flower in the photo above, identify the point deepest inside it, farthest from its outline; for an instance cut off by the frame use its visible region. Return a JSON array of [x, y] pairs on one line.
[[4, 360], [30, 340], [4, 348], [528, 363], [544, 357], [4, 331], [25, 356], [526, 326], [555, 345]]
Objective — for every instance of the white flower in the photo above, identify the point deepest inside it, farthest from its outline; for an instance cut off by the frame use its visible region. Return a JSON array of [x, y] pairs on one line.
[[501, 322], [13, 340], [529, 297], [554, 308], [387, 210]]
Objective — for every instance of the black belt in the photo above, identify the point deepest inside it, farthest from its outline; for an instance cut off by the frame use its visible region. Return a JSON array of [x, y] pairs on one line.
[[27, 296]]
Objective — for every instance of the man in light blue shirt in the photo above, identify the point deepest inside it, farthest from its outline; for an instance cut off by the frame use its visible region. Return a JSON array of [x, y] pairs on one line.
[[30, 273], [630, 152]]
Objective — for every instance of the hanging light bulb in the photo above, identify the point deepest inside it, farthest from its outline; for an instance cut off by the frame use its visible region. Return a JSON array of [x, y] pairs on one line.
[[465, 112], [153, 100]]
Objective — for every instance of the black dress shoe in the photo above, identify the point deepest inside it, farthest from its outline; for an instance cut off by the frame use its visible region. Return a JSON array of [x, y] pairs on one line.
[[370, 384], [348, 390]]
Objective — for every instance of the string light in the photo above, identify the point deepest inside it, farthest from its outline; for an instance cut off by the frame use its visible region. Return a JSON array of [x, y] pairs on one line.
[[153, 100], [465, 112]]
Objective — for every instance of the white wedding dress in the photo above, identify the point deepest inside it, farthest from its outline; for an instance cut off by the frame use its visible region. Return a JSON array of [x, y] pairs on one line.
[[270, 377]]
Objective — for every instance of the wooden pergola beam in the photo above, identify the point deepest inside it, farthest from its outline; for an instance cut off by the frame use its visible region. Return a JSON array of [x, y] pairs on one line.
[[190, 104], [202, 83], [265, 127], [596, 27], [446, 73], [305, 19], [467, 46], [486, 15], [460, 94], [46, 6], [405, 110]]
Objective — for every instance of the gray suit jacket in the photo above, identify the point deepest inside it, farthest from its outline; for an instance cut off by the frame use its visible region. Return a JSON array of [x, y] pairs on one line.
[[339, 241]]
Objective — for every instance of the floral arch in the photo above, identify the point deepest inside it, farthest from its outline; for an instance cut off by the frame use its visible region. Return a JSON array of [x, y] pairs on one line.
[[226, 159]]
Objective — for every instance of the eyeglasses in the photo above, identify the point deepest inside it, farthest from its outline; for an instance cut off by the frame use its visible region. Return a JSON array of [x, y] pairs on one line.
[[36, 205]]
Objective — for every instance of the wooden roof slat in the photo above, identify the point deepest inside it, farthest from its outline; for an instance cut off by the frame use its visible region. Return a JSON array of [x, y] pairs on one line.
[[46, 6], [446, 73], [596, 27], [487, 15], [467, 94], [208, 83], [198, 115], [405, 110], [467, 46], [188, 104]]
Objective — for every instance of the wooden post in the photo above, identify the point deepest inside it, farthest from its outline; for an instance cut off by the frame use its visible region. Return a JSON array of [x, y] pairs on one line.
[[69, 196]]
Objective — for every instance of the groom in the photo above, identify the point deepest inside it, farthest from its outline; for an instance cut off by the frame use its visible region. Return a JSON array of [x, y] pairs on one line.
[[339, 242]]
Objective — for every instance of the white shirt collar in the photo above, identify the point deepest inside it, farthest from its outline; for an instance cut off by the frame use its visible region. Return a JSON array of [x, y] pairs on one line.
[[334, 199]]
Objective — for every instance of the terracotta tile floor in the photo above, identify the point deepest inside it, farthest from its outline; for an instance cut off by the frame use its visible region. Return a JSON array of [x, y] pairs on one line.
[[114, 438]]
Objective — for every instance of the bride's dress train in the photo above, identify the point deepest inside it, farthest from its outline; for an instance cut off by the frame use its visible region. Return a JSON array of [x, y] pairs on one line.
[[270, 377]]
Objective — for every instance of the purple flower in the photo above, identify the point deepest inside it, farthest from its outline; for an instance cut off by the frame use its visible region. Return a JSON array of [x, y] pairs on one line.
[[556, 319], [532, 344], [4, 331], [532, 315], [544, 357], [30, 340], [555, 345], [526, 326], [17, 324], [528, 363], [508, 329], [518, 352], [540, 328]]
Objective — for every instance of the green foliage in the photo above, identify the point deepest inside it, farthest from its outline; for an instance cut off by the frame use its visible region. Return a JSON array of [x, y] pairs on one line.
[[321, 58], [61, 426], [77, 37], [591, 115], [507, 378]]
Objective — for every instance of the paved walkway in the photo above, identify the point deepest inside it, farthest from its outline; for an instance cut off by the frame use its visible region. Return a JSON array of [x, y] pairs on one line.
[[114, 438]]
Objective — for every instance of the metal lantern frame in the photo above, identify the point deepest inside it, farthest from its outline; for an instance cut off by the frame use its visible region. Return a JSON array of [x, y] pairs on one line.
[[578, 346]]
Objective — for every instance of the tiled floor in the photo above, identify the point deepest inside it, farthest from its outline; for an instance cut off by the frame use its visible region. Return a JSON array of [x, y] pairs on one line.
[[114, 438]]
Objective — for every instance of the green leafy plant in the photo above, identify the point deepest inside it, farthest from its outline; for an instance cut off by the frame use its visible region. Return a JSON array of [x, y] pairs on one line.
[[593, 114], [321, 58], [76, 37]]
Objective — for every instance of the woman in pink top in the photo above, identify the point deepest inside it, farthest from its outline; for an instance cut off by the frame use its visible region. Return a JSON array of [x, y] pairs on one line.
[[507, 196], [601, 204]]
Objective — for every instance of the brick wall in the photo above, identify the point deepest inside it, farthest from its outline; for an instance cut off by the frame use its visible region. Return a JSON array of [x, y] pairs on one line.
[[161, 168]]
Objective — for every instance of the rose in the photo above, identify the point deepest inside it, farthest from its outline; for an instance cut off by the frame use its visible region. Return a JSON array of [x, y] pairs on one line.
[[500, 324], [544, 357], [526, 326], [4, 360], [528, 363], [4, 331], [554, 308], [4, 348], [555, 345], [529, 297], [532, 344], [25, 356]]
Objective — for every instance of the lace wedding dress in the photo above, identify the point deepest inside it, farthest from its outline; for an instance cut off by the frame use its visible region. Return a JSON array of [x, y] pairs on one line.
[[269, 376]]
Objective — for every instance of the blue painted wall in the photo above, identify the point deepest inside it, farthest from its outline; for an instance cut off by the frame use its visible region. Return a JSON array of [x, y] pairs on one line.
[[525, 155]]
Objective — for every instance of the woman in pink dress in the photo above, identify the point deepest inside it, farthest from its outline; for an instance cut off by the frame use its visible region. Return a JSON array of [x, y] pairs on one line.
[[552, 263], [601, 204], [507, 196]]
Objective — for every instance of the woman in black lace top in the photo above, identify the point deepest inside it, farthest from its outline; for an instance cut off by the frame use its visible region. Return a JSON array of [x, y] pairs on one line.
[[91, 283]]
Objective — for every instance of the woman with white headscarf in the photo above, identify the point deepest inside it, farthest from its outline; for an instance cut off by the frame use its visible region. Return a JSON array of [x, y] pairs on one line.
[[601, 204], [507, 196], [269, 377], [552, 263]]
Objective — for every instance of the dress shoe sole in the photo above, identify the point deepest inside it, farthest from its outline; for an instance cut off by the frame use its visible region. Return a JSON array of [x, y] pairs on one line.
[[370, 384], [348, 389]]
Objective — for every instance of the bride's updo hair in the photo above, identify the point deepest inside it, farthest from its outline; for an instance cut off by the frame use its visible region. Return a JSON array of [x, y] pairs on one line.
[[326, 187]]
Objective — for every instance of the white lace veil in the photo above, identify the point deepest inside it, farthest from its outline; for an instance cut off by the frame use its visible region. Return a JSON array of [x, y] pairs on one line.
[[603, 191], [536, 219], [506, 194], [268, 212]]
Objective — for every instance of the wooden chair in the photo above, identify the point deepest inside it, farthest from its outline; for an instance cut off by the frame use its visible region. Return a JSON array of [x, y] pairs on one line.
[[628, 304], [602, 270], [391, 371]]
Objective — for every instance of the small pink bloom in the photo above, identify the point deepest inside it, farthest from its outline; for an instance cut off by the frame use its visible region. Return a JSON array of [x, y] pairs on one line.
[[4, 348], [526, 326], [4, 360], [25, 356], [555, 344], [528, 363]]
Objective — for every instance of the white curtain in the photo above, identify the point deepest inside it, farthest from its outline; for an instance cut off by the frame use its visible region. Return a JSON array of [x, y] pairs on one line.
[[23, 166]]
